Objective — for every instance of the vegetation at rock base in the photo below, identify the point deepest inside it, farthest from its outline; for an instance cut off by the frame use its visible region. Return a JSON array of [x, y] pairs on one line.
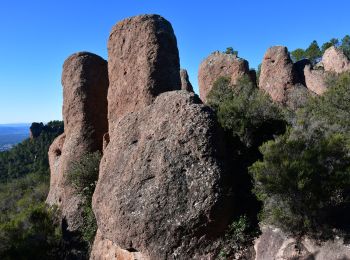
[[28, 228], [246, 112], [249, 119], [83, 177], [304, 177], [299, 166]]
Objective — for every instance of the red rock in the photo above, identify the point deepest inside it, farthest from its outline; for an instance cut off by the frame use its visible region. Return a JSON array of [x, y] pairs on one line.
[[220, 65], [334, 60], [143, 61], [277, 73], [85, 85]]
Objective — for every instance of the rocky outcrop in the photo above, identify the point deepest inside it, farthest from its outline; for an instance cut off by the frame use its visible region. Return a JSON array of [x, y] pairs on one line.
[[277, 74], [185, 82], [143, 61], [220, 65], [85, 85], [315, 80], [334, 60], [35, 130], [275, 244], [162, 188]]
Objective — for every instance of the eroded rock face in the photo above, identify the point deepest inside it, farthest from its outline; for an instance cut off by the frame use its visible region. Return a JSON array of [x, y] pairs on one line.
[[277, 73], [334, 60], [143, 61], [220, 65], [85, 86], [104, 249], [275, 244], [315, 80], [162, 188], [185, 82]]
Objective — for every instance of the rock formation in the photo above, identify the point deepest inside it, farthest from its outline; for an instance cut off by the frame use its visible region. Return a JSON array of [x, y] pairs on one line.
[[162, 184], [185, 82], [220, 65], [35, 130], [315, 80], [143, 61], [275, 244], [85, 85], [334, 60], [277, 73]]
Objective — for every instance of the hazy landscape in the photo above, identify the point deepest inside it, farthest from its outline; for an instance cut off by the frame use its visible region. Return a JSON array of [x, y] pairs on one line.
[[11, 134]]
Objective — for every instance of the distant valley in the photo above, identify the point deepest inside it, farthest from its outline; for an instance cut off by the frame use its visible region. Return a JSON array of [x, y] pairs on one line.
[[11, 134]]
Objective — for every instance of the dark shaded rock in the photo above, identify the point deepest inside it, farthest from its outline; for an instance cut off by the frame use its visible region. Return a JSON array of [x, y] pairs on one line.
[[162, 188], [299, 67], [143, 61], [35, 130], [185, 82]]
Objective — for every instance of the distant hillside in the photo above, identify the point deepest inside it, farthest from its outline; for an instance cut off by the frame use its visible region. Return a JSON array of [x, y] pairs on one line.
[[11, 134]]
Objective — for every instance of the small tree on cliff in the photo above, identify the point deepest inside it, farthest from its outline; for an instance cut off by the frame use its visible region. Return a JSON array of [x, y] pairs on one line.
[[230, 50]]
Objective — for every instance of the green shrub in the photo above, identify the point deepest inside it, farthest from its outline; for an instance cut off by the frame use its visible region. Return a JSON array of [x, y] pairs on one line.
[[245, 111], [238, 239], [83, 176], [304, 177]]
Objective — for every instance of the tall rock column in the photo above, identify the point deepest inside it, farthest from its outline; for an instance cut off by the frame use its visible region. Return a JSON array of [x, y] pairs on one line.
[[163, 190], [143, 61], [277, 76], [85, 86]]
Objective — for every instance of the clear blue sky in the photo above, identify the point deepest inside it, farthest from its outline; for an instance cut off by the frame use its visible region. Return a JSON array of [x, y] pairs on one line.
[[37, 36]]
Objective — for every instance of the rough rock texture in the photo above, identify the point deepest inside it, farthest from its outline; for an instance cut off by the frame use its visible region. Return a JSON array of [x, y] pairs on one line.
[[162, 183], [220, 65], [277, 73], [185, 82], [143, 61], [315, 80], [274, 244], [334, 60], [85, 86], [104, 249]]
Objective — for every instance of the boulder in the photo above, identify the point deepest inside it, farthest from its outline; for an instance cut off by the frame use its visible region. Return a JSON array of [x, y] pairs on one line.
[[334, 60], [85, 86], [218, 65], [277, 73], [275, 244], [185, 82], [143, 61], [315, 80], [163, 187]]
